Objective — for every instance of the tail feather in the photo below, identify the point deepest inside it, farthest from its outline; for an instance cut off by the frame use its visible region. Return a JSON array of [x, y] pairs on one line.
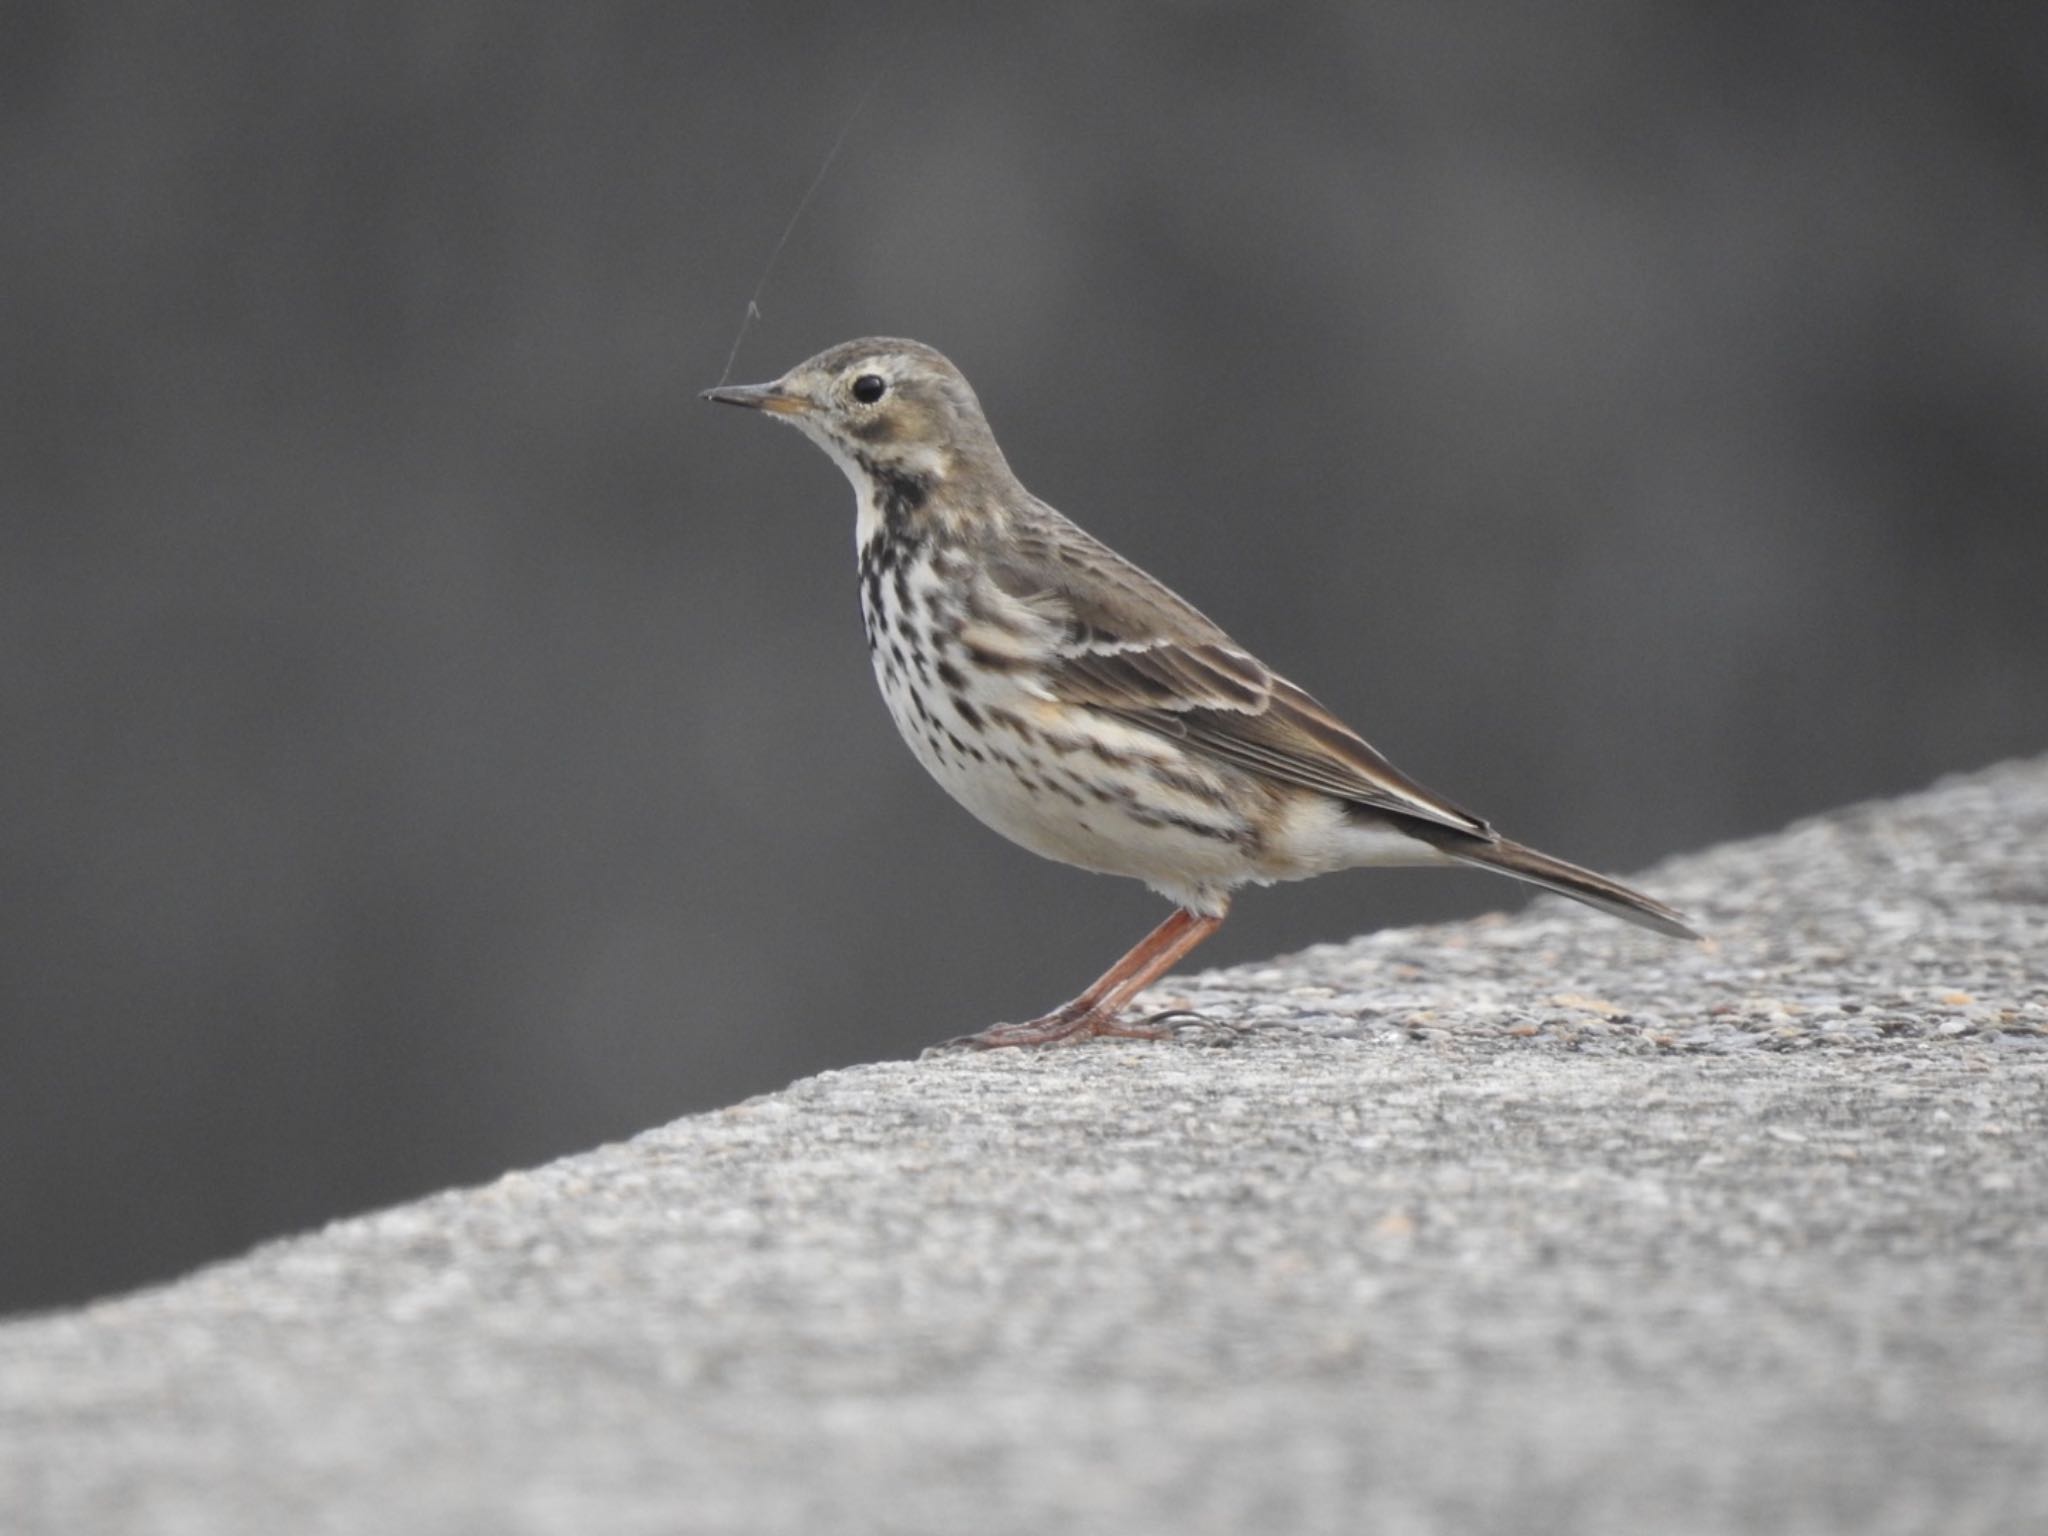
[[1569, 880]]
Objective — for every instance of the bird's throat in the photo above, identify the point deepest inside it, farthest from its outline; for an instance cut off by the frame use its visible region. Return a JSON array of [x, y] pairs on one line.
[[892, 501]]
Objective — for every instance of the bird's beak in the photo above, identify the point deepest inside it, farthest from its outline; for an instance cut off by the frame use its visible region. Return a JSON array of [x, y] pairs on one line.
[[760, 397]]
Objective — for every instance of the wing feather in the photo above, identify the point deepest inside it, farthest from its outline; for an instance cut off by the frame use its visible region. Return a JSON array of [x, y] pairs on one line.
[[1133, 648], [1279, 731]]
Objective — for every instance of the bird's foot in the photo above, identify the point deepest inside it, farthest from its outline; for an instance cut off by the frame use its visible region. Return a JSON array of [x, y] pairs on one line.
[[1058, 1028], [1196, 1028]]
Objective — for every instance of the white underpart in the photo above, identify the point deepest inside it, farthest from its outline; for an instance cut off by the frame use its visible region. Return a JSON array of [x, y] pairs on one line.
[[1045, 799], [1317, 837]]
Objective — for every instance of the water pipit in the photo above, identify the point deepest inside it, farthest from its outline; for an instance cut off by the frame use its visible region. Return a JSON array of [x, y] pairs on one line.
[[1082, 709]]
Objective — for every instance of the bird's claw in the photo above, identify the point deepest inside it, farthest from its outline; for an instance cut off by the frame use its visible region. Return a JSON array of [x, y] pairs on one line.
[[1001, 1036], [1168, 1024], [1197, 1028]]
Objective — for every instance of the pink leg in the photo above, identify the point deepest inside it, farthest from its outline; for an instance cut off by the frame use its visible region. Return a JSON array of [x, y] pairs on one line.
[[1094, 1011]]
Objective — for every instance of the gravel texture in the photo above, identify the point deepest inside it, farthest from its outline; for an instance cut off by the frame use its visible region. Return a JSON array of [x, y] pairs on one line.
[[1531, 1224]]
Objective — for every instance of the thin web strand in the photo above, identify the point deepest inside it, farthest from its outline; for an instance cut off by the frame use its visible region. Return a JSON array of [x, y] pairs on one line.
[[753, 310]]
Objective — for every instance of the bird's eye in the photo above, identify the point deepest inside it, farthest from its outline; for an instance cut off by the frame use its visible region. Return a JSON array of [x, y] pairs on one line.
[[869, 388]]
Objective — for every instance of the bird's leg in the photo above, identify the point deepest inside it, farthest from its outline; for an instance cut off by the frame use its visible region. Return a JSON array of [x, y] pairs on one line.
[[1094, 1011], [1128, 979]]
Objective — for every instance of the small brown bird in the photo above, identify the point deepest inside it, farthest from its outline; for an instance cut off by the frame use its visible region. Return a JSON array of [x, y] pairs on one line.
[[1081, 708]]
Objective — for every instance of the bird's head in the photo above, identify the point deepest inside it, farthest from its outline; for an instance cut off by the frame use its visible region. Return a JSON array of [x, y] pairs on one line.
[[887, 411]]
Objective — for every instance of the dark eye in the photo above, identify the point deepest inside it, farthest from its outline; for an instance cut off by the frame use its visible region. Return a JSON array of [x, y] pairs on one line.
[[869, 388]]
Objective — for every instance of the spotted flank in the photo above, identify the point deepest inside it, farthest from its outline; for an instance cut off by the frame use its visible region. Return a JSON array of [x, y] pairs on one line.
[[1079, 786]]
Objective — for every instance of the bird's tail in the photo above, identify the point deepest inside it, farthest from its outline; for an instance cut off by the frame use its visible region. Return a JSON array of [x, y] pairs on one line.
[[1568, 880]]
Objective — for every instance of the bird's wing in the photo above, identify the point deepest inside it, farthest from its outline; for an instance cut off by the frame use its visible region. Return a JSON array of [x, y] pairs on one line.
[[1202, 696], [1132, 648]]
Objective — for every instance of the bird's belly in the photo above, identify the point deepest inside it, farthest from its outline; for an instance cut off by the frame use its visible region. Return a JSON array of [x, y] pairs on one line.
[[1067, 784]]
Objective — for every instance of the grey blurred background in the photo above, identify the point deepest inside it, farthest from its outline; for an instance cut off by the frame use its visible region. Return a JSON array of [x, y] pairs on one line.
[[435, 741]]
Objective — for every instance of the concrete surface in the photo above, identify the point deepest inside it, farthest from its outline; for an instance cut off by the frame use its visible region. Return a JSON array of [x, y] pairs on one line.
[[1533, 1224]]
